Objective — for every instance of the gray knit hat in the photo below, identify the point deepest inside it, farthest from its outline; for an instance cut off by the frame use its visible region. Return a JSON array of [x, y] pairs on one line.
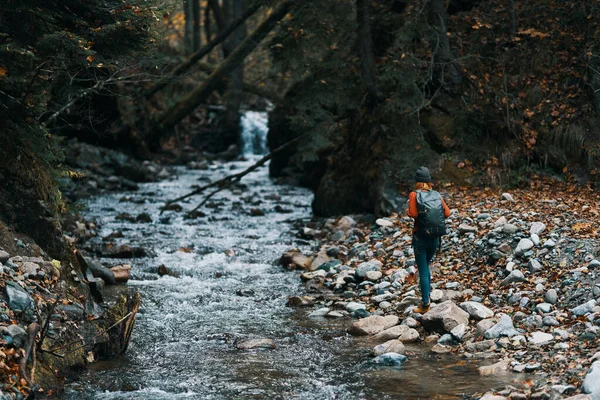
[[423, 175]]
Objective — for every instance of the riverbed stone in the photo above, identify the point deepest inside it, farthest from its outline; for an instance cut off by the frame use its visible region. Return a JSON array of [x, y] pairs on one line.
[[372, 325], [537, 228], [363, 268], [17, 334], [255, 344], [584, 308], [353, 306], [390, 359], [384, 223], [591, 383], [402, 333], [500, 368], [540, 338], [4, 256], [444, 317], [18, 298], [534, 266], [373, 275], [504, 327], [321, 312], [477, 311], [514, 277], [391, 346], [477, 347], [551, 296]]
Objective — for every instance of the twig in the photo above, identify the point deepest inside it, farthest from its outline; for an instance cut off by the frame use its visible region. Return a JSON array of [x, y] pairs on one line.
[[44, 331], [94, 338], [229, 180]]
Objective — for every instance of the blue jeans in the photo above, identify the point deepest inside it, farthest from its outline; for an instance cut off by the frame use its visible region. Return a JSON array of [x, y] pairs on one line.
[[425, 249]]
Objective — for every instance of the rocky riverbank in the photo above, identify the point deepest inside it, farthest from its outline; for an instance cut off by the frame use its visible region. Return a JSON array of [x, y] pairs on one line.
[[515, 285]]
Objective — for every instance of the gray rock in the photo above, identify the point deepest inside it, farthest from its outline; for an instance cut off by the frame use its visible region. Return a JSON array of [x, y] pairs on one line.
[[551, 296], [382, 297], [321, 312], [540, 338], [29, 268], [4, 256], [363, 268], [510, 229], [523, 246], [504, 327], [508, 196], [18, 299], [476, 311], [451, 285], [459, 332], [402, 333], [514, 277], [477, 347], [444, 317], [17, 333], [391, 346], [584, 308], [465, 228], [353, 306], [533, 321], [534, 266], [410, 322], [549, 244], [390, 359], [500, 222], [537, 228], [486, 324], [594, 264], [446, 340], [373, 275], [535, 239], [256, 344], [436, 295], [550, 321], [591, 383], [544, 307], [373, 325]]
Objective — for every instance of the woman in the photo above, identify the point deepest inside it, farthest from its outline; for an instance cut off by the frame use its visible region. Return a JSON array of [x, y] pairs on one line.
[[427, 207]]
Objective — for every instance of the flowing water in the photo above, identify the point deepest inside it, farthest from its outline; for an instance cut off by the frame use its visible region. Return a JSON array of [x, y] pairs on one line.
[[230, 288]]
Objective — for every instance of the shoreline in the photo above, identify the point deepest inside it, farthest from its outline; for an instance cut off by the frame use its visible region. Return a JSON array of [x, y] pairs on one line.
[[515, 282]]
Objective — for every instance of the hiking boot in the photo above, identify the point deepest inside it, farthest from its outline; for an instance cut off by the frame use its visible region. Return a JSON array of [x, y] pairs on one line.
[[422, 308]]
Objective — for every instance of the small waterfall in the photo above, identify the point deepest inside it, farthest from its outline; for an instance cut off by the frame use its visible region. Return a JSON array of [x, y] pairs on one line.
[[254, 127]]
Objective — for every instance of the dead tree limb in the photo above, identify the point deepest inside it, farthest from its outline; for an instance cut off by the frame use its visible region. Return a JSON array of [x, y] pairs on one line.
[[231, 179], [32, 331], [197, 56], [183, 108]]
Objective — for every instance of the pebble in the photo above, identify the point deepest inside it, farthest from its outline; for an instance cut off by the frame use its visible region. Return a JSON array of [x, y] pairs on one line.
[[544, 307], [523, 246], [551, 296], [514, 277]]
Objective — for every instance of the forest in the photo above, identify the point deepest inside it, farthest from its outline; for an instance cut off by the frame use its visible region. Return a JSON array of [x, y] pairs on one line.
[[208, 198]]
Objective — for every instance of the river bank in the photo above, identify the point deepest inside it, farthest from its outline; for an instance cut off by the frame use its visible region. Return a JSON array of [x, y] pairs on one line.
[[515, 286]]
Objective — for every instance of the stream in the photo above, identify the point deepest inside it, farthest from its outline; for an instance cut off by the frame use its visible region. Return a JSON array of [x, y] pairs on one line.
[[230, 288]]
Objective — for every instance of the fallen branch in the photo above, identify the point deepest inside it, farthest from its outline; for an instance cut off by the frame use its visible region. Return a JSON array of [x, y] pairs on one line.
[[32, 331], [44, 331], [231, 179]]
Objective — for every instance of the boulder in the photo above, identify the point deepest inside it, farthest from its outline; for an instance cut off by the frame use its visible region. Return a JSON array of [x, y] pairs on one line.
[[444, 317], [477, 311], [391, 346], [402, 333], [372, 325]]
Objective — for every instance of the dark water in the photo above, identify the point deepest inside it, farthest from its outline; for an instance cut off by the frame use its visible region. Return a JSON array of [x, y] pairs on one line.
[[183, 343]]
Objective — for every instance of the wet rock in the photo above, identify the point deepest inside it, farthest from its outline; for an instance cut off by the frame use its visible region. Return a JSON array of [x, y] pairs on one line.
[[373, 325], [500, 368], [477, 347], [402, 333], [295, 257], [361, 313], [363, 268], [300, 301], [17, 334], [476, 311], [391, 346], [321, 312], [444, 317], [352, 306], [256, 212], [514, 277], [446, 340], [523, 246], [540, 338], [125, 251], [245, 292], [18, 298], [584, 308], [255, 344], [390, 360], [504, 327], [143, 218], [439, 348], [591, 383]]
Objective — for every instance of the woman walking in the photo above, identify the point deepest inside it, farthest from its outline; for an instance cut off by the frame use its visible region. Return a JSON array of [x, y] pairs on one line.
[[429, 211]]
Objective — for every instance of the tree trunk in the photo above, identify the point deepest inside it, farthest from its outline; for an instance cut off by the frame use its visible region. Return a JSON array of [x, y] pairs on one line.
[[442, 58], [188, 30], [183, 108], [207, 27], [197, 56], [365, 50], [513, 19], [196, 42], [231, 119]]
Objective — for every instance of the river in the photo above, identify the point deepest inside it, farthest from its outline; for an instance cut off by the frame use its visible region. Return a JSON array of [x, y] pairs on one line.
[[230, 288]]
